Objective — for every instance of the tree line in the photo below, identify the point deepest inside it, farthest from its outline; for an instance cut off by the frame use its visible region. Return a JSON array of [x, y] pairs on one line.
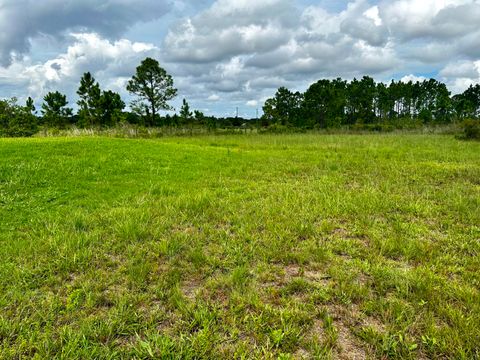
[[327, 103], [151, 85], [364, 102]]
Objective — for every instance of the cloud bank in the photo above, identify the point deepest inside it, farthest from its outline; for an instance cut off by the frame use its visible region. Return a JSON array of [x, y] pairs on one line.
[[23, 20]]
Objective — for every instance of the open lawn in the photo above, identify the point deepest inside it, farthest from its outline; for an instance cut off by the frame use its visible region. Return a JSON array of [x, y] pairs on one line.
[[259, 246]]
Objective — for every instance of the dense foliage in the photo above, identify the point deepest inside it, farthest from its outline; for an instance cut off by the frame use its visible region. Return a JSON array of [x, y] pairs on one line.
[[153, 87], [335, 103], [16, 120], [97, 107]]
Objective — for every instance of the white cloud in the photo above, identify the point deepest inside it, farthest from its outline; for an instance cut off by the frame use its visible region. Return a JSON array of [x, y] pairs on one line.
[[414, 18], [412, 78], [461, 69], [228, 29], [362, 21], [237, 50], [230, 69], [112, 63], [374, 14], [213, 97], [21, 21], [459, 75]]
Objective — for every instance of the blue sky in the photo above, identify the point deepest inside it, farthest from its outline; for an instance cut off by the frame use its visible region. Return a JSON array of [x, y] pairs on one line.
[[225, 54]]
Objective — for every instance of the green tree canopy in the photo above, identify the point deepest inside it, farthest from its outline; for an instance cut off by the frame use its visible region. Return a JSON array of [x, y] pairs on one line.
[[89, 102], [16, 120], [153, 87], [111, 106], [185, 112], [30, 105], [54, 109]]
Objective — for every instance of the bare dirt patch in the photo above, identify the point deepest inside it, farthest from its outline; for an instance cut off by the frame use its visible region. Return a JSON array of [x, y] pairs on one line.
[[186, 229], [348, 345], [345, 319], [317, 277], [292, 271], [190, 288]]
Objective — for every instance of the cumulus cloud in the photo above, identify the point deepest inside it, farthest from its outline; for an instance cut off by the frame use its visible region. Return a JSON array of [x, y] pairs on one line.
[[213, 97], [248, 48], [412, 78], [410, 19], [459, 75], [362, 21], [112, 63], [230, 29], [462, 69], [434, 30], [23, 20]]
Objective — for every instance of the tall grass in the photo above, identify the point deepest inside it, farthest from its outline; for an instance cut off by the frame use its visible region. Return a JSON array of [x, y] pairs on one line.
[[137, 131]]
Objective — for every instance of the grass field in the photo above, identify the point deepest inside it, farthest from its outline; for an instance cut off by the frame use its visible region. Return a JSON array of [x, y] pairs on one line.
[[260, 246]]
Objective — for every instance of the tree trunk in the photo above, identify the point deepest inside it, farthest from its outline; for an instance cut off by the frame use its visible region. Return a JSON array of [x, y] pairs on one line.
[[154, 113]]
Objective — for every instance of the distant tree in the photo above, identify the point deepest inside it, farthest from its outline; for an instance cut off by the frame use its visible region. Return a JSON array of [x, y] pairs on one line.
[[5, 114], [97, 107], [471, 101], [199, 117], [54, 109], [330, 103], [167, 120], [384, 102], [285, 108], [443, 103], [460, 106], [175, 120], [15, 120], [110, 108], [153, 87], [288, 106], [360, 100], [270, 112], [185, 113], [324, 103], [132, 118], [211, 123], [367, 99], [30, 105], [89, 102]]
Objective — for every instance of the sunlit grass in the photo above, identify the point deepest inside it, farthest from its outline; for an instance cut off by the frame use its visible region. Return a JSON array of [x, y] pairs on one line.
[[259, 246]]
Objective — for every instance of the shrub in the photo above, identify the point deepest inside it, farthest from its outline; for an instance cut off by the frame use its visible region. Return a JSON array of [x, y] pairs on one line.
[[278, 129], [377, 127], [15, 120], [471, 129]]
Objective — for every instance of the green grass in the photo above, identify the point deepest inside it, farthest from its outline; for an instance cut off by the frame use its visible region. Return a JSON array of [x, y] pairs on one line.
[[281, 247]]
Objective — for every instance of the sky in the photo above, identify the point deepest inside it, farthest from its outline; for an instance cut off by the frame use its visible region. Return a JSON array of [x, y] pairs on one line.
[[225, 54]]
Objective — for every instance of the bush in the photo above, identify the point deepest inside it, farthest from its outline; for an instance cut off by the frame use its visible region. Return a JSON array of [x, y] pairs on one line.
[[406, 123], [471, 129], [277, 129], [15, 120], [378, 127]]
